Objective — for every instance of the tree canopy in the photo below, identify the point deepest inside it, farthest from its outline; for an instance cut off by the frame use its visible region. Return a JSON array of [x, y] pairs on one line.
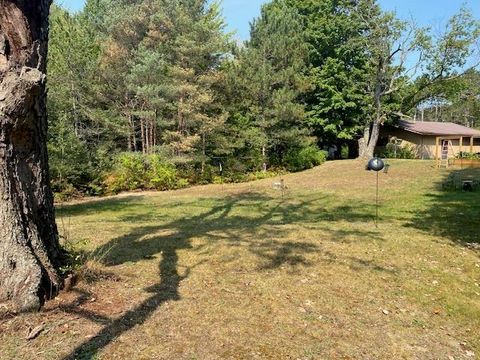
[[163, 80]]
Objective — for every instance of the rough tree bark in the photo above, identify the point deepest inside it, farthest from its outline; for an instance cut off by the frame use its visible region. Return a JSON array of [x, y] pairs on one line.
[[371, 132], [29, 246]]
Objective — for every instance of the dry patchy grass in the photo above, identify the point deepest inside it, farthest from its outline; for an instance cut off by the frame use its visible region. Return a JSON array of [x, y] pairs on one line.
[[240, 272]]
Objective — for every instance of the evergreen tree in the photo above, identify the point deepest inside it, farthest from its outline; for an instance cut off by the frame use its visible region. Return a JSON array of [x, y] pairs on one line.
[[338, 65], [269, 78]]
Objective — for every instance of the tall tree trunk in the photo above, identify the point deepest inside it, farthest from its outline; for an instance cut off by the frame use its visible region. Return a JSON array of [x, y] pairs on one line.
[[155, 130], [130, 135], [204, 152], [142, 130], [133, 131], [363, 142], [152, 135], [147, 136], [375, 133], [181, 120], [369, 140], [371, 133], [29, 249]]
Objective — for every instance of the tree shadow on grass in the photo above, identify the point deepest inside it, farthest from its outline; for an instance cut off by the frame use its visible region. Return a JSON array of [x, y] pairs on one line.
[[165, 290], [452, 213], [253, 221], [99, 205]]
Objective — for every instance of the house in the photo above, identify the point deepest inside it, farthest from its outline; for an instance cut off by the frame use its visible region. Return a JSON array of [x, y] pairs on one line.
[[432, 140]]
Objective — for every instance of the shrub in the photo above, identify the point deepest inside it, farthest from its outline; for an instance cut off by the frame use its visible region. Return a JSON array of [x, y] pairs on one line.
[[393, 151], [66, 192], [305, 158], [134, 171], [161, 175], [344, 152], [468, 156], [182, 183], [218, 180], [129, 173], [260, 175]]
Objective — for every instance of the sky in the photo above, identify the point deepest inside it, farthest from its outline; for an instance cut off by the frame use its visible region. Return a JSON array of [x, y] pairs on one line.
[[239, 13]]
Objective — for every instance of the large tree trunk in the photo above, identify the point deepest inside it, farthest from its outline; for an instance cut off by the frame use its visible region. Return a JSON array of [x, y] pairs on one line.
[[29, 247], [371, 133], [363, 143], [369, 140]]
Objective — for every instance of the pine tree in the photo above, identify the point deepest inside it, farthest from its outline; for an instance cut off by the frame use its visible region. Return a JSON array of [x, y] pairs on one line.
[[269, 76]]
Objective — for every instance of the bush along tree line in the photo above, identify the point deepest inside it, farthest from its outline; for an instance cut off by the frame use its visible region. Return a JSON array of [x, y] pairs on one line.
[[155, 94]]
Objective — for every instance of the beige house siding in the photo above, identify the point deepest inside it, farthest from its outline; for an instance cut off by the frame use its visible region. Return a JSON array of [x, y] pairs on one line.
[[424, 146]]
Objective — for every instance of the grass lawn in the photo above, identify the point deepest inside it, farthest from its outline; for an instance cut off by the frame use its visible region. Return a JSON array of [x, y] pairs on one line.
[[240, 272]]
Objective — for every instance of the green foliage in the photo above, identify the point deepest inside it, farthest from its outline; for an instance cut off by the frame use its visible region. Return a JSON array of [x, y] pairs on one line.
[[344, 151], [135, 171], [339, 68], [130, 173], [82, 133], [468, 156], [260, 175], [161, 174], [393, 151], [456, 100], [306, 158], [265, 83], [162, 77]]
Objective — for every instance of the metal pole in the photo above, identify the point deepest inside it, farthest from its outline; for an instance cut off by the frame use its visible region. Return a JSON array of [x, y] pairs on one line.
[[376, 205]]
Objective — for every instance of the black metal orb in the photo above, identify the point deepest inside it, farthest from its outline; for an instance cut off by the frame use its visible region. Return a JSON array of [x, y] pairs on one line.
[[376, 164]]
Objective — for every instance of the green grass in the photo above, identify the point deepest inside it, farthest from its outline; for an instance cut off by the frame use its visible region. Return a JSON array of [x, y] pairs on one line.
[[242, 272]]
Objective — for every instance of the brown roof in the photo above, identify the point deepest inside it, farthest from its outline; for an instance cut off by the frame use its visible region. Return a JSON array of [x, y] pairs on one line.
[[437, 128]]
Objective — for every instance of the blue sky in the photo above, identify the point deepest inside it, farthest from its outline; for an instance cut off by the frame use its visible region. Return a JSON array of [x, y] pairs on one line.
[[239, 13]]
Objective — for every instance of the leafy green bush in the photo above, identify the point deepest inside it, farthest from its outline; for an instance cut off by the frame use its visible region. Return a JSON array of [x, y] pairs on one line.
[[161, 175], [468, 156], [393, 151], [344, 152], [64, 192], [129, 173], [305, 158], [134, 171], [182, 183], [259, 175]]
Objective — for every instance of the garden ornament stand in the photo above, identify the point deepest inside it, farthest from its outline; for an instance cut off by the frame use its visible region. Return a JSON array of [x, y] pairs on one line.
[[376, 164]]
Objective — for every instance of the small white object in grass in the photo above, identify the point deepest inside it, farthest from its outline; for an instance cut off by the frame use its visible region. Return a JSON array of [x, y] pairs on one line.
[[435, 282], [385, 312]]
